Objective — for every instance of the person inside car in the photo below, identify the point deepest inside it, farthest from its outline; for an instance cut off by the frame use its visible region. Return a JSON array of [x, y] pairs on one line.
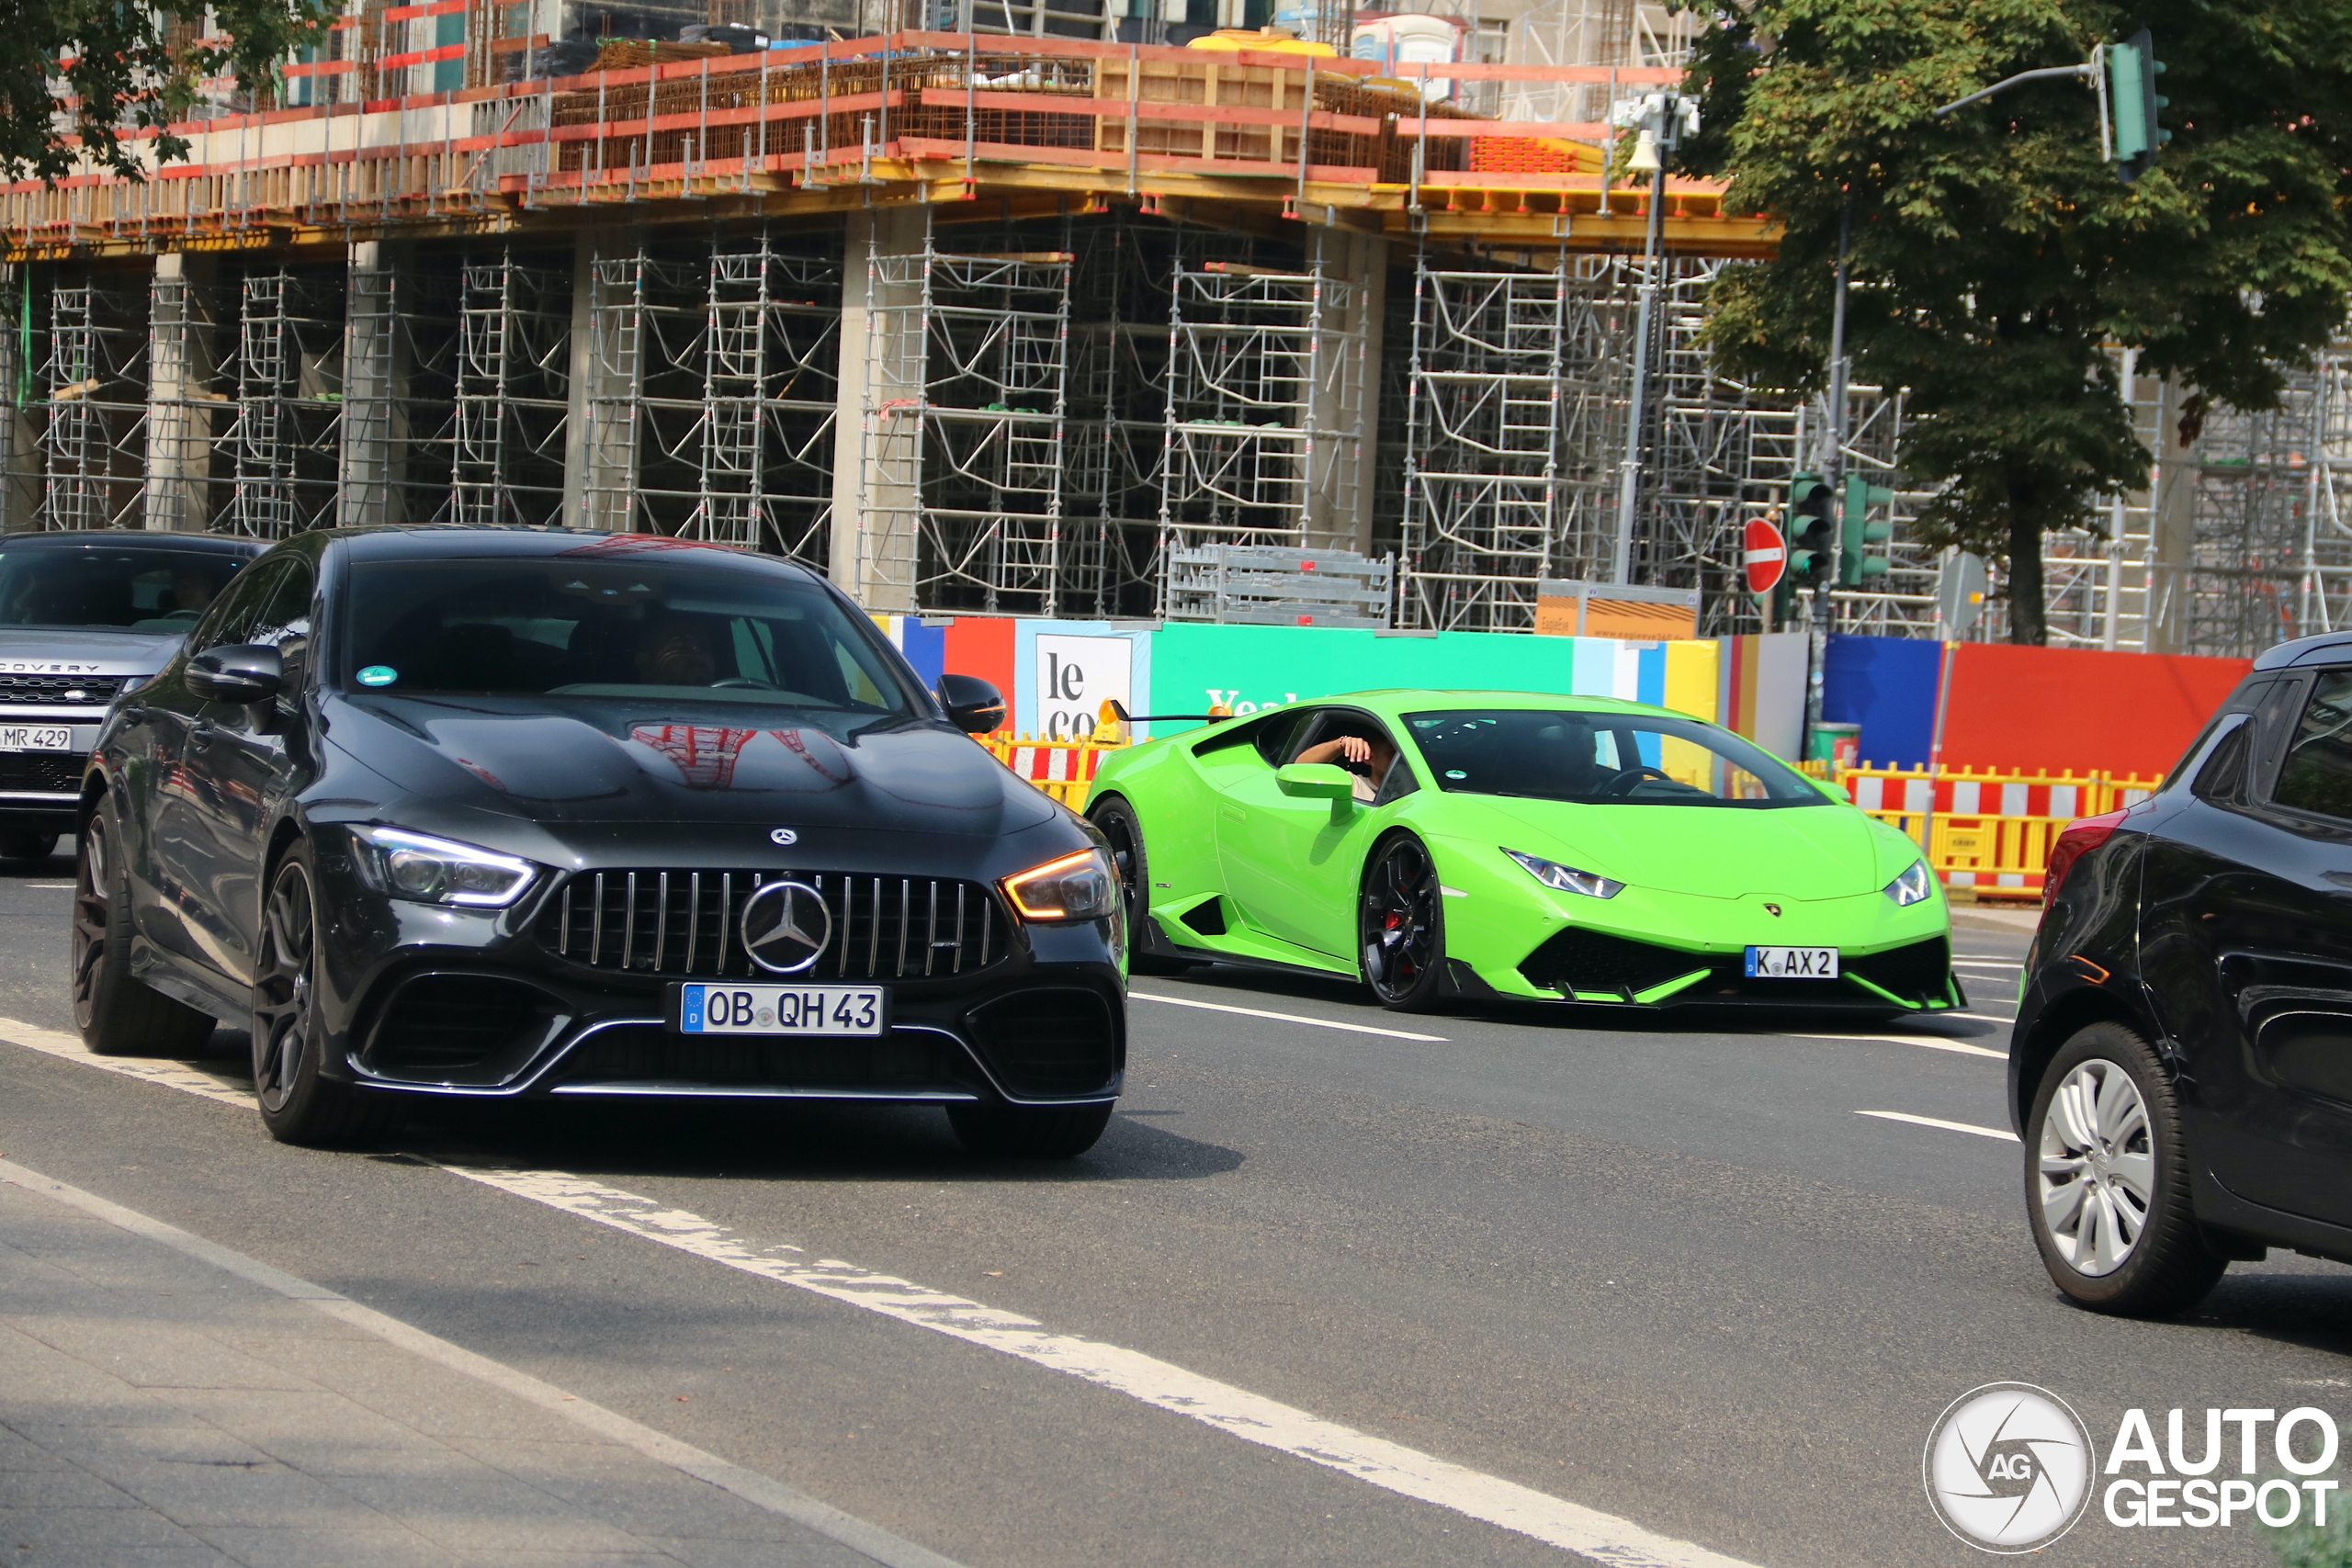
[[674, 650], [1366, 760]]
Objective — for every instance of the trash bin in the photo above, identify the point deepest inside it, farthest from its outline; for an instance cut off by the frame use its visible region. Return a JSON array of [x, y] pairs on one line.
[[1839, 745]]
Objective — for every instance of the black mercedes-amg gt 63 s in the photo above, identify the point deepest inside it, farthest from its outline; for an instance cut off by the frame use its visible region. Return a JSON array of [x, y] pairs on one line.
[[502, 812]]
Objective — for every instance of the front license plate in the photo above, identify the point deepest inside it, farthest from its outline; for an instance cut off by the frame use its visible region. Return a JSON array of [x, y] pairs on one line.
[[36, 738], [783, 1009], [1792, 963]]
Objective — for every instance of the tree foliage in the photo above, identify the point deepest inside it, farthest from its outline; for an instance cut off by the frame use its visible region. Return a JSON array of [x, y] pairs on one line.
[[79, 78], [1995, 258]]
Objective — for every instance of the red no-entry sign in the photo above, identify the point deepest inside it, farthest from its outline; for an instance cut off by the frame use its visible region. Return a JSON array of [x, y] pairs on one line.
[[1765, 557]]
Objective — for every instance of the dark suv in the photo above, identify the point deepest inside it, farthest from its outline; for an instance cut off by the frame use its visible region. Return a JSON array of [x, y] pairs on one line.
[[82, 615], [2181, 1072]]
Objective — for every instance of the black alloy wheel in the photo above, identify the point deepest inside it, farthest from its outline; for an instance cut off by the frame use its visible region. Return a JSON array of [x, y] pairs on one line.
[[298, 1105], [119, 1014], [1402, 929], [1124, 833], [2107, 1179]]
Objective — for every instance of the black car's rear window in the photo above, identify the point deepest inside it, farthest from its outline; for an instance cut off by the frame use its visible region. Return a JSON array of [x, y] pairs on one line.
[[147, 588], [652, 627], [1602, 759]]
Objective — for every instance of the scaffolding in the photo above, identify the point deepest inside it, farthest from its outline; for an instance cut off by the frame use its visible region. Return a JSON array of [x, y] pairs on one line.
[[709, 390], [1483, 434], [88, 401], [1264, 433], [284, 439], [513, 389], [965, 412]]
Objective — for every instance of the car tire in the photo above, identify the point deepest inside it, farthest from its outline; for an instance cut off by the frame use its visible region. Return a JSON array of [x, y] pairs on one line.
[[27, 848], [117, 1013], [2107, 1179], [1400, 926], [298, 1104], [1123, 831], [1028, 1132]]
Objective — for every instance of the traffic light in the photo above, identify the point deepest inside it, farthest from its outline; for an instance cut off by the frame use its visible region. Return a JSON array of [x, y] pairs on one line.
[[1857, 533], [2132, 101], [1812, 540]]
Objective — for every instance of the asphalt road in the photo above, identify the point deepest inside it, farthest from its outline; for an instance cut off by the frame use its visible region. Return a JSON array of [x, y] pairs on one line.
[[1666, 1269]]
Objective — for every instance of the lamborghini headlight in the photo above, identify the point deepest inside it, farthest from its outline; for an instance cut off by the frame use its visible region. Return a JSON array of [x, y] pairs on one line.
[[1914, 886], [426, 870], [1566, 878], [1076, 887]]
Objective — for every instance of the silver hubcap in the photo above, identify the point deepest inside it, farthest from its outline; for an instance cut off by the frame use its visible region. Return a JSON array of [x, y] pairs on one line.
[[2098, 1168]]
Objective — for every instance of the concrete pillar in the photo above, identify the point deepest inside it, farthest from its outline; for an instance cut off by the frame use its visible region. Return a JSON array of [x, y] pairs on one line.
[[2172, 527], [601, 429], [182, 405], [19, 453], [374, 386], [878, 443], [1340, 487]]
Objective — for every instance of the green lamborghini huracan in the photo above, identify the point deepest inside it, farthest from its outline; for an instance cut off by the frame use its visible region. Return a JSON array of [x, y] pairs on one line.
[[1443, 844]]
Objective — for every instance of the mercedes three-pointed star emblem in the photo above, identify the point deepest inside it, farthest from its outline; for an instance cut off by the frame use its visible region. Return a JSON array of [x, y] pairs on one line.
[[785, 926]]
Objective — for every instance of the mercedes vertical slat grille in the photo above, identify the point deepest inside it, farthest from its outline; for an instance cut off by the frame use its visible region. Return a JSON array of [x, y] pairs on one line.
[[687, 923]]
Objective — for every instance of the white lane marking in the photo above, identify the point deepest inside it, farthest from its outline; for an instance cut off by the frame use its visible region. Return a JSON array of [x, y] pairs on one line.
[[871, 1540], [1984, 1017], [1287, 1017], [1932, 1042], [1162, 1384], [49, 887], [2006, 1137], [1233, 1411], [182, 1076], [1984, 963]]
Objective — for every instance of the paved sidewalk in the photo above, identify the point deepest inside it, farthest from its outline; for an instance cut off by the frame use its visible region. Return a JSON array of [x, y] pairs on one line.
[[157, 1410]]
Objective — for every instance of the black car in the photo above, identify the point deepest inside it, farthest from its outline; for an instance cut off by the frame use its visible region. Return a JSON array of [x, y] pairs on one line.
[[82, 615], [2181, 1073], [493, 812]]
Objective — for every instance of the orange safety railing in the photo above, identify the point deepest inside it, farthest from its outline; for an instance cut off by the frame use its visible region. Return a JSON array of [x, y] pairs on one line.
[[914, 110]]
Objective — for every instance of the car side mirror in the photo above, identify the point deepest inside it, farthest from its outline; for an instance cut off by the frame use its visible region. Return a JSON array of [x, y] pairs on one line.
[[237, 672], [1314, 781], [973, 705]]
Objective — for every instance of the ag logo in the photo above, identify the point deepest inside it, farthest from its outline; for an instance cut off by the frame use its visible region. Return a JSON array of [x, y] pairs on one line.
[[785, 926], [2009, 1468]]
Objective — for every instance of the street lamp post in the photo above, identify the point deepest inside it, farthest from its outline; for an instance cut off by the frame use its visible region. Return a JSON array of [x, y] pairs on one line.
[[1663, 119]]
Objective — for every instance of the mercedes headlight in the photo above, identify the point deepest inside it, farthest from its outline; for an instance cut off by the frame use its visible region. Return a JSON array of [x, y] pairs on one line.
[[1076, 887], [426, 870], [1915, 886], [1566, 878]]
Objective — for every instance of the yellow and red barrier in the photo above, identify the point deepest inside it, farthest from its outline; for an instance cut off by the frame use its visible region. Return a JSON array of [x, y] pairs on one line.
[[1988, 830]]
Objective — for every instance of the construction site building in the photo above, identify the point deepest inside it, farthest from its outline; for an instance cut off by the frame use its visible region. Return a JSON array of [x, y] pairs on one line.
[[1036, 314]]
